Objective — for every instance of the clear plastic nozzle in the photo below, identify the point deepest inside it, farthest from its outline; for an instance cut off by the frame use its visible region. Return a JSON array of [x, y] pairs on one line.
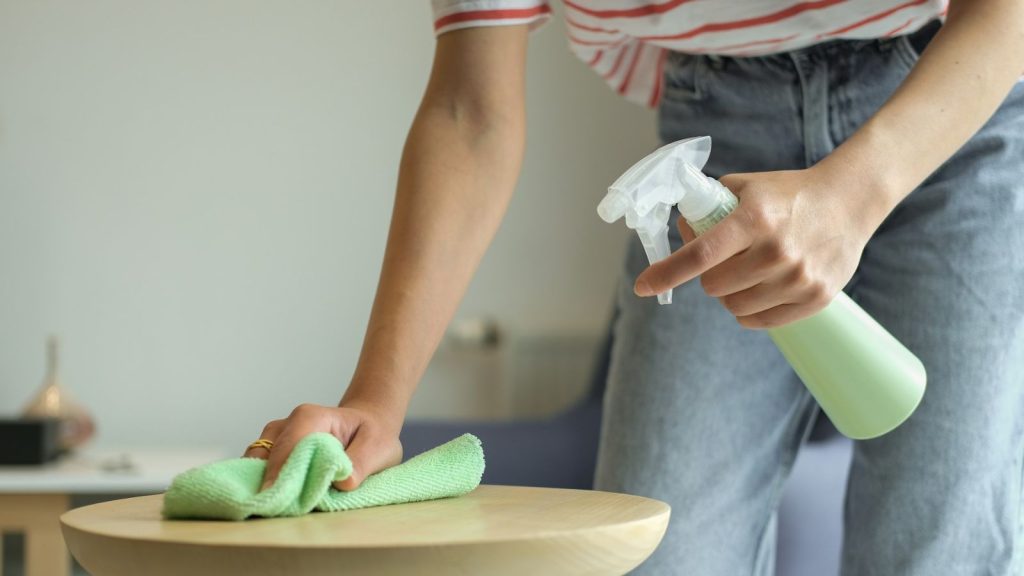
[[613, 206], [645, 194]]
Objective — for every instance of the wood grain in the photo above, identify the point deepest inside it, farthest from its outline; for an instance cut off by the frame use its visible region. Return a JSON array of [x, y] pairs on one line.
[[493, 530]]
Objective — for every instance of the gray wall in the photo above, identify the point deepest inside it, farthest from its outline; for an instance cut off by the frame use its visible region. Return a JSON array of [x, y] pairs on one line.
[[195, 196]]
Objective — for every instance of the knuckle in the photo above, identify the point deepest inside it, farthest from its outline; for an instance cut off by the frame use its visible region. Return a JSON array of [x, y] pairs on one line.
[[776, 252], [819, 293], [802, 273], [272, 426], [705, 253], [305, 410], [759, 220]]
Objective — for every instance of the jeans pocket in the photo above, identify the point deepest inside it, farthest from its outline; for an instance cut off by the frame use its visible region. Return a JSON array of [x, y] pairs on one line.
[[684, 75]]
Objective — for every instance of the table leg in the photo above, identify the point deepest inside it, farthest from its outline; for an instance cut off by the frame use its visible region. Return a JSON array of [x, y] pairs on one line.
[[38, 517], [45, 554]]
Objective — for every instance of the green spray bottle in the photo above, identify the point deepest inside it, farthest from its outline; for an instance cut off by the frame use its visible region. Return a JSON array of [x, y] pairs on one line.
[[862, 377]]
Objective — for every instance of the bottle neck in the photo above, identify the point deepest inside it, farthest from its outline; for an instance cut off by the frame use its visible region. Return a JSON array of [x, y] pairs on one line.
[[706, 201], [704, 224], [52, 360]]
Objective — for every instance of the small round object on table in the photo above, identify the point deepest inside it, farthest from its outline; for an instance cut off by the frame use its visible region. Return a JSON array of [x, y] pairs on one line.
[[493, 530]]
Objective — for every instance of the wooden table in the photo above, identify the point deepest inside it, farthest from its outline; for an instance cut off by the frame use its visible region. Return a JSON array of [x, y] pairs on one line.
[[492, 530], [32, 498]]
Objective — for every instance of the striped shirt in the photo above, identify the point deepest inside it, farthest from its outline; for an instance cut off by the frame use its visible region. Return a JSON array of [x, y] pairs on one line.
[[625, 41]]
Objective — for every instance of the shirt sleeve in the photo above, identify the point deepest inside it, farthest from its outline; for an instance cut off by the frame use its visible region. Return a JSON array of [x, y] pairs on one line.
[[457, 14]]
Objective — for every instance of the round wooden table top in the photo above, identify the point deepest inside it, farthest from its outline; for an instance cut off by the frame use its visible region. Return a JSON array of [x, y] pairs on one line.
[[492, 530]]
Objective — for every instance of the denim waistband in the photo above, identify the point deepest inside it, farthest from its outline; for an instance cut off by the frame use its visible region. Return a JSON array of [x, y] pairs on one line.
[[918, 40]]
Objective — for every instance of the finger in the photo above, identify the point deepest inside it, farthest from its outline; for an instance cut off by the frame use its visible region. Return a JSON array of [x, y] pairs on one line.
[[368, 457], [756, 299], [685, 231], [786, 287], [741, 272], [270, 432], [302, 422], [279, 453], [778, 316], [717, 245]]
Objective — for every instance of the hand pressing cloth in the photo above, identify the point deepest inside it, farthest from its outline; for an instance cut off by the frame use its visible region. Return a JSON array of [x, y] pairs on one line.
[[230, 489]]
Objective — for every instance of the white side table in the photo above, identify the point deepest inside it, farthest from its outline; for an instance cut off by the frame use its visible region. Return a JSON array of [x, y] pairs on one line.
[[32, 498]]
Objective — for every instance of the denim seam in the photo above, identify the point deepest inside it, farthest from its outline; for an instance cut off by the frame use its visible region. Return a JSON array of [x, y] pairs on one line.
[[1016, 554], [804, 417]]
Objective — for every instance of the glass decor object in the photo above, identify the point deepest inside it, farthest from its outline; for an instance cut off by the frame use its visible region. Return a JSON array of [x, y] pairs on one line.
[[53, 401]]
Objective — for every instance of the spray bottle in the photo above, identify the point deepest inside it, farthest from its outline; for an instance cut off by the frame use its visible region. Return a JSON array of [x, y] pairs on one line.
[[862, 377]]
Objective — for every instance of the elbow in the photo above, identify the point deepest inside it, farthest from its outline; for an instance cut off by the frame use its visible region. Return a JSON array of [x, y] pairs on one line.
[[478, 118]]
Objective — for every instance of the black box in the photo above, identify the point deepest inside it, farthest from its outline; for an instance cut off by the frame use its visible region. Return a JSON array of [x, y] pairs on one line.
[[29, 441]]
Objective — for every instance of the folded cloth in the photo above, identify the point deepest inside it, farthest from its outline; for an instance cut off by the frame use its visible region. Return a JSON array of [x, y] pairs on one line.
[[230, 489]]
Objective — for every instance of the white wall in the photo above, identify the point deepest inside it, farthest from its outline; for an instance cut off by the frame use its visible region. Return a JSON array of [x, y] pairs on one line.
[[195, 196]]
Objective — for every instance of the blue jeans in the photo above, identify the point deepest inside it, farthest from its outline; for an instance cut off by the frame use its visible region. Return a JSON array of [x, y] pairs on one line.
[[708, 416]]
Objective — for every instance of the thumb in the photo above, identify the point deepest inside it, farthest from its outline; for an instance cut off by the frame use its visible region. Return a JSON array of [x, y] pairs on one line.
[[369, 455]]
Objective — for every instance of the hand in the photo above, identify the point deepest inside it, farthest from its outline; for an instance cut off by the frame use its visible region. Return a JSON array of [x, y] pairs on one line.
[[789, 247], [369, 435]]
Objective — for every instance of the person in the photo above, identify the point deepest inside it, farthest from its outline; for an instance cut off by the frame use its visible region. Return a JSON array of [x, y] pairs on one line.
[[875, 146]]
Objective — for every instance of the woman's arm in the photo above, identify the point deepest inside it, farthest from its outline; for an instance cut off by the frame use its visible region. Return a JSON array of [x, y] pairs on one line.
[[962, 77], [459, 169], [457, 175], [788, 249]]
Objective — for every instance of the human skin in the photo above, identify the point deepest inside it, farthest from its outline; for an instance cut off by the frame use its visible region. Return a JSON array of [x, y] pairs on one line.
[[787, 250], [458, 171], [782, 255]]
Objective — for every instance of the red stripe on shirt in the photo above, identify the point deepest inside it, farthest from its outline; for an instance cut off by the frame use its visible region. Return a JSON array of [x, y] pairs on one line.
[[750, 22], [624, 87], [720, 49], [597, 58], [874, 18], [658, 79], [645, 10], [582, 42], [900, 28], [490, 15], [580, 26], [618, 62]]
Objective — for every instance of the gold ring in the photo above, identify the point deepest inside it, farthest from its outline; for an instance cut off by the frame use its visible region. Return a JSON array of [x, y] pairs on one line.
[[262, 443]]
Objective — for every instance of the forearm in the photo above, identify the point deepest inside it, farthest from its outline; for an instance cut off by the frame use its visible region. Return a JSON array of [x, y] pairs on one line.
[[966, 72], [457, 175]]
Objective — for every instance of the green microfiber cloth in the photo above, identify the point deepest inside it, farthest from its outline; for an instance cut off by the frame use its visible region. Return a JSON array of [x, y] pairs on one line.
[[230, 489]]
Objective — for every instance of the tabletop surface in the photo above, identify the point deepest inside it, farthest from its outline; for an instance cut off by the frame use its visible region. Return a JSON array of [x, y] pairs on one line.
[[489, 513], [131, 470]]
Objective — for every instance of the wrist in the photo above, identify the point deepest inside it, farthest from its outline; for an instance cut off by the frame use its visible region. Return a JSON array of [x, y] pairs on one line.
[[385, 404], [869, 193]]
